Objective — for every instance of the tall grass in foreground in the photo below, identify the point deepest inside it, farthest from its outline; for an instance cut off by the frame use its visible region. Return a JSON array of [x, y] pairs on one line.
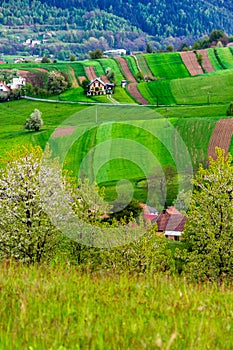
[[52, 307]]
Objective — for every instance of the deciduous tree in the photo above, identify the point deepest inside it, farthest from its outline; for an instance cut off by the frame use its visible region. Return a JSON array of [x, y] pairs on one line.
[[209, 230], [35, 121]]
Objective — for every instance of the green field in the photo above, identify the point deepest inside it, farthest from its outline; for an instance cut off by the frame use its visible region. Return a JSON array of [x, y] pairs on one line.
[[14, 115], [166, 65], [111, 63], [144, 66], [63, 308], [132, 65], [122, 142], [157, 92], [225, 57], [94, 63], [204, 89], [214, 61]]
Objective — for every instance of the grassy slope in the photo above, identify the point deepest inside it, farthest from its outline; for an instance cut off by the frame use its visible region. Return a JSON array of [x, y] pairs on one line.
[[94, 63], [196, 133], [195, 90], [144, 66], [225, 57], [132, 65], [63, 308], [13, 117], [111, 63], [157, 92], [215, 63], [167, 65]]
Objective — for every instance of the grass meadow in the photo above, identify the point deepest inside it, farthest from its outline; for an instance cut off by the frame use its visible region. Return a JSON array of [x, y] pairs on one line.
[[167, 65], [225, 57], [132, 65], [213, 59], [157, 92], [111, 63], [144, 66], [63, 308], [204, 89]]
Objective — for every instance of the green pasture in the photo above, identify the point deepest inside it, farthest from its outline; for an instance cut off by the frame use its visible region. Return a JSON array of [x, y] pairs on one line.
[[132, 65], [94, 63], [166, 65], [225, 56], [204, 89], [14, 114], [78, 70], [157, 92], [213, 59], [130, 150], [111, 63], [62, 308], [145, 69], [196, 134]]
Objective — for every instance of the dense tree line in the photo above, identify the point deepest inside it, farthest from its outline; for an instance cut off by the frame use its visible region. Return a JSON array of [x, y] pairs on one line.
[[159, 18]]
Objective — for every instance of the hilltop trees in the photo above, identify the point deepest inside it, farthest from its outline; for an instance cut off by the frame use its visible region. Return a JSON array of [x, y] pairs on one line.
[[209, 229], [96, 54]]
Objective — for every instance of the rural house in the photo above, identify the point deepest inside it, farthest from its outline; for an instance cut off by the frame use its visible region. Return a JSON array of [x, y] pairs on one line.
[[171, 222], [99, 87], [4, 87]]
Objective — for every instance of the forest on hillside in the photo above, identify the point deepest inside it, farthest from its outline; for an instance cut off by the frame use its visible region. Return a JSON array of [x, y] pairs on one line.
[[76, 26]]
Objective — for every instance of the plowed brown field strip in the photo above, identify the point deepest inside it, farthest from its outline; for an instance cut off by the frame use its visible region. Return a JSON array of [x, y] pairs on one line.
[[129, 76], [221, 136], [63, 131], [104, 79], [133, 90], [206, 62], [90, 72], [190, 60]]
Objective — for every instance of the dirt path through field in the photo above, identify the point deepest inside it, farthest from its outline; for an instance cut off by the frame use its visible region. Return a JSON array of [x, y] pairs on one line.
[[221, 136], [190, 60]]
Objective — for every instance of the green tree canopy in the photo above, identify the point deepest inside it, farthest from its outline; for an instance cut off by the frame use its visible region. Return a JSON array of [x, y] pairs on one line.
[[35, 121], [209, 230], [56, 83]]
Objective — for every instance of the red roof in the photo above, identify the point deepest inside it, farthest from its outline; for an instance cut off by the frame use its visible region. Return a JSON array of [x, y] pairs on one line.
[[171, 220]]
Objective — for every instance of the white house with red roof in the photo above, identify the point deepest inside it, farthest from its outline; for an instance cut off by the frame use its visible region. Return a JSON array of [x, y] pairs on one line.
[[4, 87]]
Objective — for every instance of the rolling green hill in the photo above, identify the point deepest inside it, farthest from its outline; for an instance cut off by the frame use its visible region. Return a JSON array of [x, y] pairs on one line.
[[114, 142]]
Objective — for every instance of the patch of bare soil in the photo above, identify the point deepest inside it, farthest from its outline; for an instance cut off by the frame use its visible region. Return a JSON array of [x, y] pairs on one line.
[[63, 131], [221, 136], [190, 60]]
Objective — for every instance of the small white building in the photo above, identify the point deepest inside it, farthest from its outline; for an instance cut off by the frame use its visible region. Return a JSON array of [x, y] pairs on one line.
[[17, 83], [116, 52]]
